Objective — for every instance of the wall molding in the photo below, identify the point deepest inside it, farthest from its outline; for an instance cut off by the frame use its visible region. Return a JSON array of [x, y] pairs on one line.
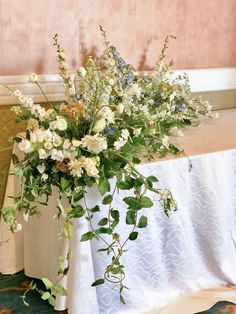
[[201, 80]]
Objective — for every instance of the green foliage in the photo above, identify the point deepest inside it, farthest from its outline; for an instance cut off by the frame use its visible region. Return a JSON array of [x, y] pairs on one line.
[[110, 119]]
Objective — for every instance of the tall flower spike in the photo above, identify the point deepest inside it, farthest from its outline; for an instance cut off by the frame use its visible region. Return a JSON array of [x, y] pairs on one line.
[[63, 70]]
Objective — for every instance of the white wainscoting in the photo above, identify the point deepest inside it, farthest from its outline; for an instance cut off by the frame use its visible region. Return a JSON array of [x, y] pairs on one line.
[[201, 80]]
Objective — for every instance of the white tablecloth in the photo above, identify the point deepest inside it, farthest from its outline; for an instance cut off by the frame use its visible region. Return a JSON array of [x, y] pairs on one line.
[[194, 248]]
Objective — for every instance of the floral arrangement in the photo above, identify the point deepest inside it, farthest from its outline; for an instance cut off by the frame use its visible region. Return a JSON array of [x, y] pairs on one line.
[[110, 114]]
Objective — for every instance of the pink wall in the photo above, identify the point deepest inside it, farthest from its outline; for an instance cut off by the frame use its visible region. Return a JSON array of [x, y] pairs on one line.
[[206, 31]]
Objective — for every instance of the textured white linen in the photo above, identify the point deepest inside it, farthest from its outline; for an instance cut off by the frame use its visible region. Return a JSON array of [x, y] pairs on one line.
[[192, 249]]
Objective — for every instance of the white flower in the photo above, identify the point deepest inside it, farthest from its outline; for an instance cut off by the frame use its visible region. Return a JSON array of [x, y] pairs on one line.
[[44, 176], [119, 143], [82, 72], [76, 143], [56, 139], [57, 154], [144, 109], [107, 114], [42, 154], [135, 90], [120, 108], [33, 78], [76, 167], [48, 145], [61, 124], [26, 217], [99, 126], [53, 125], [49, 113], [66, 144], [41, 168], [32, 124], [164, 194], [62, 54], [18, 227], [17, 93], [165, 141], [94, 143], [89, 165], [137, 132], [125, 134], [26, 146]]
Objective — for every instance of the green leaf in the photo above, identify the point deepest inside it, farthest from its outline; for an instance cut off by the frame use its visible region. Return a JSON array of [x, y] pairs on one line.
[[107, 199], [105, 230], [132, 202], [59, 289], [68, 229], [130, 217], [103, 222], [142, 222], [95, 209], [103, 186], [87, 236], [66, 185], [146, 202], [78, 196], [114, 223], [77, 212], [152, 179], [61, 209], [126, 185], [115, 214], [15, 159], [46, 295], [98, 282], [52, 301], [133, 235], [117, 270], [136, 160], [47, 283]]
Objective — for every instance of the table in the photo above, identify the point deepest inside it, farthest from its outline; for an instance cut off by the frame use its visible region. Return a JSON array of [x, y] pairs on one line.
[[194, 248]]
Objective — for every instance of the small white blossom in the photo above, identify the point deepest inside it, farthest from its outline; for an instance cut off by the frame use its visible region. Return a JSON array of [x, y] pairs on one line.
[[44, 176], [18, 227], [94, 143], [48, 145], [119, 143], [66, 144], [125, 134], [99, 126], [137, 131], [120, 108], [82, 72], [33, 78], [76, 143], [57, 154], [26, 146], [26, 217], [76, 167], [56, 139], [17, 93], [42, 154], [41, 168], [89, 165], [61, 124], [107, 114], [135, 90], [165, 141]]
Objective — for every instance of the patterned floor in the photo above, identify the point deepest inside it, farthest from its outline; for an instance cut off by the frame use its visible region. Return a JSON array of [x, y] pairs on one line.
[[13, 286]]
